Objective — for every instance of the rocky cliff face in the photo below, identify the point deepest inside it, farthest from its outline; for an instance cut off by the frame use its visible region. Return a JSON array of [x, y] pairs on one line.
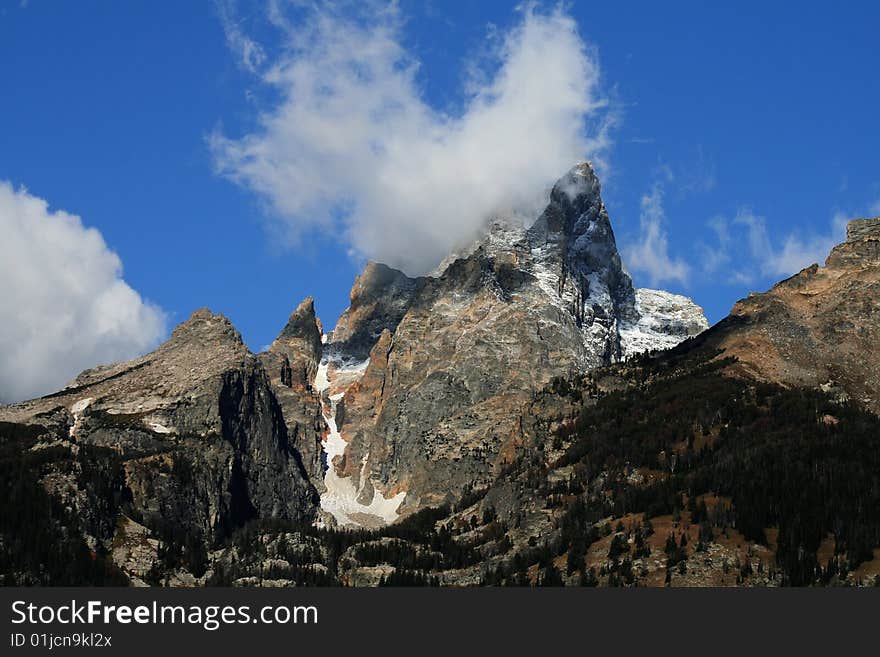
[[380, 297], [452, 356], [300, 345], [820, 327]]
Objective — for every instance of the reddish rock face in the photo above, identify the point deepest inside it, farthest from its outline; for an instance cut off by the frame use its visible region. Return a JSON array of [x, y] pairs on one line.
[[820, 327]]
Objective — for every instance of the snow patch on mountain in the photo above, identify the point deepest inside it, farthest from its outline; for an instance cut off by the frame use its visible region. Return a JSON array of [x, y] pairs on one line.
[[335, 374], [665, 320], [76, 410]]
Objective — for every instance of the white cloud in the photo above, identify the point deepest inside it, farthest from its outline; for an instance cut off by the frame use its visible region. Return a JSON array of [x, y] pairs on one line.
[[63, 304], [797, 249], [874, 210], [650, 254], [353, 148]]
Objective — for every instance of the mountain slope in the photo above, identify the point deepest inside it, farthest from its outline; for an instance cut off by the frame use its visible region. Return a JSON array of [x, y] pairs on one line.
[[663, 471], [819, 327]]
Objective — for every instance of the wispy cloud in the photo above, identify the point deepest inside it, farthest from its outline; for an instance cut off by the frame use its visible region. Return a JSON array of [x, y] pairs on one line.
[[714, 258], [251, 55], [696, 177], [746, 252], [353, 147], [650, 254]]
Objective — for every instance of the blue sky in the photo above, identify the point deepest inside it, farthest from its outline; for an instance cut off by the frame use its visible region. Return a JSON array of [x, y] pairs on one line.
[[737, 139]]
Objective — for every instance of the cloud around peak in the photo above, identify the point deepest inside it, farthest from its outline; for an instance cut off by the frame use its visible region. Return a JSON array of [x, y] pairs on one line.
[[352, 147]]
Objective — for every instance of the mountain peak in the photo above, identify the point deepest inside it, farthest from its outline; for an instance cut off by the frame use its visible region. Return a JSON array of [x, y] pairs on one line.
[[574, 239], [302, 323], [424, 372], [379, 299], [205, 326], [300, 344], [579, 181]]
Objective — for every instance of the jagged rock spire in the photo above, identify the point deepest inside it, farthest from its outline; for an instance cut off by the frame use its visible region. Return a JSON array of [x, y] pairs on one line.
[[574, 242], [300, 343]]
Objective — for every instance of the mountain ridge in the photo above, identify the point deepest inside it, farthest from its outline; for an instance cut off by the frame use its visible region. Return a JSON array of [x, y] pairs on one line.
[[818, 327], [521, 417]]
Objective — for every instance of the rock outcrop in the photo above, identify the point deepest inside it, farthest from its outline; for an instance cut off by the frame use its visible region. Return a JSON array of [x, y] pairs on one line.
[[300, 344], [380, 297]]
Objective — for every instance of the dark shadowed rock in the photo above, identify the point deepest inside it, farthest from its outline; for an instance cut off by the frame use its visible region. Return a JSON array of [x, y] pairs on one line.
[[292, 362], [300, 343]]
